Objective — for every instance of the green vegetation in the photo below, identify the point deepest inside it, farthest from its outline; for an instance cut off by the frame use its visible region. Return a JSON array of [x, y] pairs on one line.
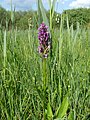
[[66, 72], [22, 18], [21, 74], [80, 15]]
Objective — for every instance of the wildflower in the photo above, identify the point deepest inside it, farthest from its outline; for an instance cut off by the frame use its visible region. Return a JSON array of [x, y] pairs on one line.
[[44, 40]]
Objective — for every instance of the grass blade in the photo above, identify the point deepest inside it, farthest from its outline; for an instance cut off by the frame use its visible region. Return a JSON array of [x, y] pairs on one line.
[[49, 112], [42, 10], [63, 108]]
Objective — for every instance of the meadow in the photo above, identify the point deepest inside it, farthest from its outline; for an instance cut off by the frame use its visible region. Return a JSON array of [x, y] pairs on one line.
[[66, 92]]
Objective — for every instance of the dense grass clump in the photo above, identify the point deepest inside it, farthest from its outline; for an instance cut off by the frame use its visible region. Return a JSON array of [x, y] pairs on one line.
[[68, 71]]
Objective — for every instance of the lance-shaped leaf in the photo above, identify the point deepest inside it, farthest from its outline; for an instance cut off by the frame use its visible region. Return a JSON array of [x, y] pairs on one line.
[[40, 19], [62, 108], [49, 112], [71, 116], [43, 13]]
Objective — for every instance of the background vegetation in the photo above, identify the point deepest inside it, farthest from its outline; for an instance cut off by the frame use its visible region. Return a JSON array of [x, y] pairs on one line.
[[24, 18], [22, 95]]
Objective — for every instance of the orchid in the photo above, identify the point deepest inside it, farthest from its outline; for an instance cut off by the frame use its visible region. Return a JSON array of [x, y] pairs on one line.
[[44, 40]]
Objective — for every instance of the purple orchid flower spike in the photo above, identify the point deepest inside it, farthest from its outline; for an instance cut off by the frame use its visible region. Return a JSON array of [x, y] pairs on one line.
[[44, 40]]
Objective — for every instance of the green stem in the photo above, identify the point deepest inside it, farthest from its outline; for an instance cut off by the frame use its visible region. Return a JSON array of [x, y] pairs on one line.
[[44, 74], [51, 31], [4, 53], [50, 19], [44, 85]]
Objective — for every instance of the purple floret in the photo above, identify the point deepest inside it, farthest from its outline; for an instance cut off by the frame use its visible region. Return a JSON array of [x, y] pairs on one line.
[[43, 36]]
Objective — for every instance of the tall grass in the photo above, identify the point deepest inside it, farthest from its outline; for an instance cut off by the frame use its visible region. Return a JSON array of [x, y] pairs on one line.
[[21, 77], [21, 85]]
